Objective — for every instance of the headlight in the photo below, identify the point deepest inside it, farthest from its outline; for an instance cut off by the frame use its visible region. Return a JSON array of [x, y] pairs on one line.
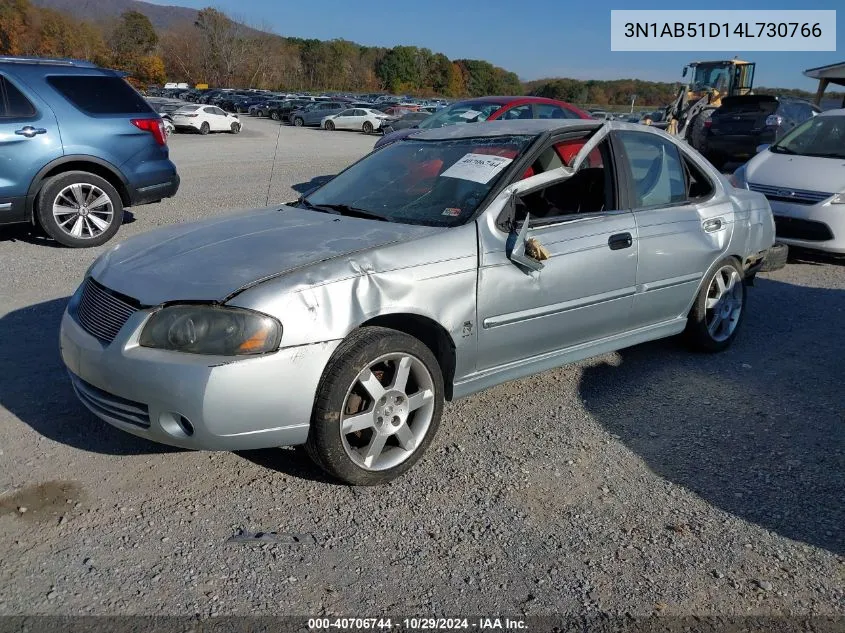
[[839, 198], [738, 178], [201, 329]]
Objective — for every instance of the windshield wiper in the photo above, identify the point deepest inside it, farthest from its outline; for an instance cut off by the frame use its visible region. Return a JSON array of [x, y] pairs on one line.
[[304, 203], [777, 149], [826, 155], [345, 209]]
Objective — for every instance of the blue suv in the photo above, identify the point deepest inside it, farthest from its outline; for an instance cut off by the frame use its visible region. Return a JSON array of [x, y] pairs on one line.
[[77, 145]]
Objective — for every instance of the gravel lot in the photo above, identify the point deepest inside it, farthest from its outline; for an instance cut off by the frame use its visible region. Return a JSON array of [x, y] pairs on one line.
[[647, 481]]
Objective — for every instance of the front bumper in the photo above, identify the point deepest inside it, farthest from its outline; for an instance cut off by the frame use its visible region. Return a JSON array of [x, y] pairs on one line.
[[819, 226], [252, 403]]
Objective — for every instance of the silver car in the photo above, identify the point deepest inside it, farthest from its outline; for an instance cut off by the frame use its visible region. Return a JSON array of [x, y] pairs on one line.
[[438, 266], [803, 176]]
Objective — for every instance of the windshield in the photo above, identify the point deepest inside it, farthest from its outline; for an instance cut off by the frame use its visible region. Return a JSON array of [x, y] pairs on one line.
[[717, 77], [435, 183], [464, 112], [822, 136]]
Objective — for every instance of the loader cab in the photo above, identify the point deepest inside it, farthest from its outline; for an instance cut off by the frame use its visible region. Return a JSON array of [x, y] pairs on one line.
[[729, 77]]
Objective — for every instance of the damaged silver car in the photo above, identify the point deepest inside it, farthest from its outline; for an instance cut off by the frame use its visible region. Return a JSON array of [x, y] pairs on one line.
[[433, 268]]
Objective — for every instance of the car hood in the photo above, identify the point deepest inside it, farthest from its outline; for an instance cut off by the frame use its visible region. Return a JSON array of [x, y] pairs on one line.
[[808, 173], [214, 259]]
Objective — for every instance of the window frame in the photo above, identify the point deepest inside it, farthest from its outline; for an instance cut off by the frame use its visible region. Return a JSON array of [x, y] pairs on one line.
[[610, 159], [683, 155], [5, 80]]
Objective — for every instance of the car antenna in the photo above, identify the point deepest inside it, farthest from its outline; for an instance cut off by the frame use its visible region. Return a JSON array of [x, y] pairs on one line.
[[273, 166]]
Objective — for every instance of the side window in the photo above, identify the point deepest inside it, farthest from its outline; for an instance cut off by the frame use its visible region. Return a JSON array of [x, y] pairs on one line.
[[658, 174], [13, 103], [699, 185], [346, 113], [519, 112], [549, 111], [589, 190], [209, 110], [219, 112], [359, 113]]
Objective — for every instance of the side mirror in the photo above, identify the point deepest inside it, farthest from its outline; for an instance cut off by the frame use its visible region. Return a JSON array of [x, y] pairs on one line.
[[763, 147], [516, 247]]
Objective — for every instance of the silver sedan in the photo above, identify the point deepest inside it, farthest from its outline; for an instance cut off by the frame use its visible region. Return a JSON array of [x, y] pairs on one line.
[[433, 268]]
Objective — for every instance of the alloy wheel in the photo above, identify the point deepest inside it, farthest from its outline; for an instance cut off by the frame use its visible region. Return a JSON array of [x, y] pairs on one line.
[[724, 303], [83, 210], [387, 411]]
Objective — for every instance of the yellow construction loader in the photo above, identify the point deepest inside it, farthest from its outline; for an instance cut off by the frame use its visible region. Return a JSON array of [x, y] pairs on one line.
[[686, 117]]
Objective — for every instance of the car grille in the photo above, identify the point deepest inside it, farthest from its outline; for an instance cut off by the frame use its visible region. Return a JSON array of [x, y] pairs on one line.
[[101, 313], [111, 406], [797, 229], [784, 194]]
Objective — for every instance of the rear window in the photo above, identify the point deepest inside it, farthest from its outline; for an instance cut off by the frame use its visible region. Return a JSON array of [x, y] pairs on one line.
[[13, 104], [100, 94]]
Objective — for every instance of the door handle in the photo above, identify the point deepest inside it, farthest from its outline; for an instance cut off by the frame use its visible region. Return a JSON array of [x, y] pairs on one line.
[[619, 241], [713, 225], [30, 131]]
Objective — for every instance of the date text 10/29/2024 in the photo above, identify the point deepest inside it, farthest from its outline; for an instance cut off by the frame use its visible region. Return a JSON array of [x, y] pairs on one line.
[[417, 624]]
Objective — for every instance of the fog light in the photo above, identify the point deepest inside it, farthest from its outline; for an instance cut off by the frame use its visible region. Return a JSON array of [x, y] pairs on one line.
[[185, 425]]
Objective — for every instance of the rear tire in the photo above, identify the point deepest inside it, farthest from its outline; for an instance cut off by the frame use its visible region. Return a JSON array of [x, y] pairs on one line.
[[719, 308], [298, 122], [372, 421], [367, 128], [205, 128], [274, 116], [70, 223]]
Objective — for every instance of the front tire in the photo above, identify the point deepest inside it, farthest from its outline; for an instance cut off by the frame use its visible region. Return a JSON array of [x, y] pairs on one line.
[[236, 127], [79, 209], [697, 133], [377, 408], [719, 308], [298, 122], [367, 127], [329, 125], [274, 116]]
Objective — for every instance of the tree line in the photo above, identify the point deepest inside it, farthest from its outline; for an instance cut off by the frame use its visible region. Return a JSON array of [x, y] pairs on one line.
[[221, 52]]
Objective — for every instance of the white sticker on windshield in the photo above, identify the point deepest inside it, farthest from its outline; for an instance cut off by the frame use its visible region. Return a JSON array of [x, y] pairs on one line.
[[477, 167], [469, 114]]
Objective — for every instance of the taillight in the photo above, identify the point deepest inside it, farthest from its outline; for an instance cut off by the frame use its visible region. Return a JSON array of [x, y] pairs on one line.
[[708, 123], [774, 120], [154, 127]]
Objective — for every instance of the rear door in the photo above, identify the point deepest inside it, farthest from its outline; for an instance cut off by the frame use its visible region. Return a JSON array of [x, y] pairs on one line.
[[682, 225], [29, 139]]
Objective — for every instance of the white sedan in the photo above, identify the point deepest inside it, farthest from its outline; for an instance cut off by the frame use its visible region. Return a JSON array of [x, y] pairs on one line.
[[803, 176], [362, 119], [205, 119]]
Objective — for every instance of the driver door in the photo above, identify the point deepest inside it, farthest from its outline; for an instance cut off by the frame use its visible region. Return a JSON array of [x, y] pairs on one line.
[[584, 291]]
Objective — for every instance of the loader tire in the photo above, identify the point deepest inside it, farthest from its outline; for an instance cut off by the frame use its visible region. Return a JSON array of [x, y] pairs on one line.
[[697, 133]]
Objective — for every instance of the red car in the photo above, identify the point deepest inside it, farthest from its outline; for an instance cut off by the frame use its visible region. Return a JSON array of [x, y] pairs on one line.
[[491, 109]]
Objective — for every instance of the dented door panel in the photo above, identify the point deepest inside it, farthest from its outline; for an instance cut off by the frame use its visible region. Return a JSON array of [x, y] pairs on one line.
[[677, 246]]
